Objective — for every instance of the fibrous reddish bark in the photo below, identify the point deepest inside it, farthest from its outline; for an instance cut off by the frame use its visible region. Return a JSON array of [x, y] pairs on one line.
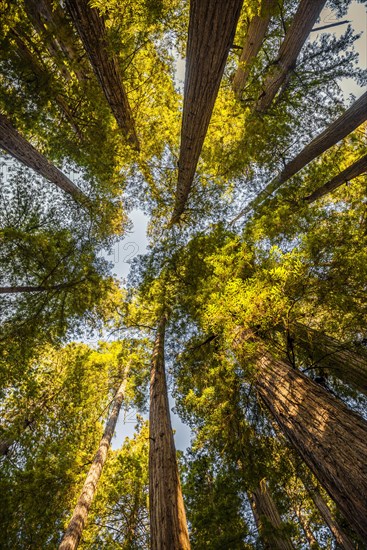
[[76, 525], [92, 31], [268, 520], [212, 28], [22, 150], [254, 38], [331, 439], [307, 13], [353, 171], [168, 527]]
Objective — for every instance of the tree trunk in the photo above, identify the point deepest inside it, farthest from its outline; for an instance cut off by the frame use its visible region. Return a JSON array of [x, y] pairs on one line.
[[92, 31], [212, 28], [340, 537], [307, 13], [22, 150], [168, 527], [268, 520], [254, 38], [314, 545], [331, 439], [76, 525], [341, 362], [353, 171], [339, 129]]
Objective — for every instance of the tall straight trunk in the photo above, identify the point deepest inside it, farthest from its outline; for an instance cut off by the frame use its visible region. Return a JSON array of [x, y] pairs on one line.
[[306, 15], [353, 171], [212, 27], [18, 147], [307, 529], [92, 31], [331, 439], [339, 129], [340, 537], [74, 531], [339, 359], [268, 520], [168, 527], [254, 38]]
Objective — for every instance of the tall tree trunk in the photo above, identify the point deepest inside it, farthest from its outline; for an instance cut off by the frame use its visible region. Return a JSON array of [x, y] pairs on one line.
[[339, 129], [22, 150], [74, 531], [212, 28], [92, 31], [331, 439], [307, 13], [254, 38], [340, 537], [168, 525], [353, 171], [340, 359], [268, 520], [314, 545]]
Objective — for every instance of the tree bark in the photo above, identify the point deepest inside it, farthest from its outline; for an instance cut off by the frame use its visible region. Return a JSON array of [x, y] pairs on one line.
[[314, 545], [92, 31], [268, 520], [340, 537], [353, 171], [331, 439], [74, 531], [307, 13], [339, 129], [254, 38], [18, 147], [212, 27], [340, 360], [168, 525]]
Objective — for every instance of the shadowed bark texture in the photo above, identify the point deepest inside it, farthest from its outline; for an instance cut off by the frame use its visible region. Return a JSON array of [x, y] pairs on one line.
[[212, 28], [168, 527], [339, 129], [354, 170], [74, 531], [307, 13], [268, 520], [254, 38], [19, 148], [331, 439], [92, 31]]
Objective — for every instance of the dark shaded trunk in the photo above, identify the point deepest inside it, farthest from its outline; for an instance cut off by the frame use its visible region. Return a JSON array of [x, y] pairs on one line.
[[331, 439], [307, 13], [168, 527], [332, 356], [254, 38], [339, 129], [268, 520], [340, 537], [92, 31], [74, 531], [18, 147], [212, 28], [353, 171]]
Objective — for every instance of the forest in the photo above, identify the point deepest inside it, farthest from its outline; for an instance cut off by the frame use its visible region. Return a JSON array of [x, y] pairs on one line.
[[228, 125]]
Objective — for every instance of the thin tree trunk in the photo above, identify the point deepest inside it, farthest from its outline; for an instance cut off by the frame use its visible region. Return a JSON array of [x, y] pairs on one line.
[[340, 360], [76, 525], [92, 31], [307, 530], [268, 520], [212, 27], [339, 129], [168, 525], [22, 150], [353, 171], [307, 13], [254, 38], [340, 537], [331, 439]]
